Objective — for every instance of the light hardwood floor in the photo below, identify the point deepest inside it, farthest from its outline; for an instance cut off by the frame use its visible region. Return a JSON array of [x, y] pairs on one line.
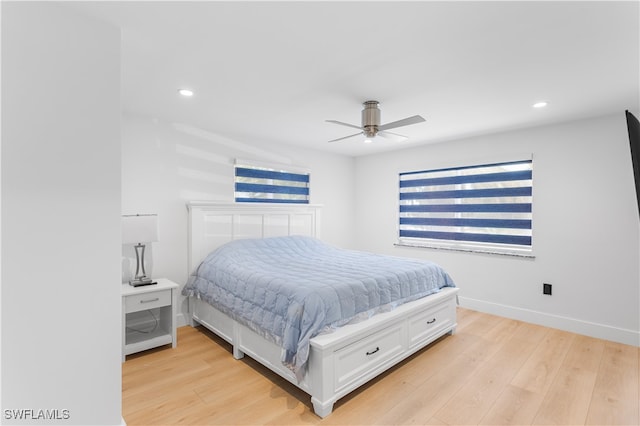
[[492, 371]]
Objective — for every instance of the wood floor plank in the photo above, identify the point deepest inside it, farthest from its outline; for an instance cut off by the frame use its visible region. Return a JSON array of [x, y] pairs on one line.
[[439, 388], [165, 412], [434, 393], [298, 415], [615, 399], [515, 406], [523, 396], [478, 395], [222, 390], [567, 401], [370, 403], [430, 360], [541, 368], [491, 371], [259, 406], [141, 387]]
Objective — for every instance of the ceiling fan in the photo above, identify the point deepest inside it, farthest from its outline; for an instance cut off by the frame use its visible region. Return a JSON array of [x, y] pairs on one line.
[[371, 124]]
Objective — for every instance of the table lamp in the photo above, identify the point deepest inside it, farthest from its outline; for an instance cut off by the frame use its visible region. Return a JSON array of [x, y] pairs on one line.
[[139, 229]]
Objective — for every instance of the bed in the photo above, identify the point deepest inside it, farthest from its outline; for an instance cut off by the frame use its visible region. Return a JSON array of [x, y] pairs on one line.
[[314, 319]]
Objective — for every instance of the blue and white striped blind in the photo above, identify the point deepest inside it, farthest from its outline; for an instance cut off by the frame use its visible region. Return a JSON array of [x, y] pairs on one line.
[[487, 204], [267, 185]]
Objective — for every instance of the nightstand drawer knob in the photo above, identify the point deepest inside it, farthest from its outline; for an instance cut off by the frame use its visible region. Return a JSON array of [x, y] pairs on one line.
[[150, 300]]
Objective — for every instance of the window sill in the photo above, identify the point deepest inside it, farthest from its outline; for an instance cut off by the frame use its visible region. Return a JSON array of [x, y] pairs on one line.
[[467, 249]]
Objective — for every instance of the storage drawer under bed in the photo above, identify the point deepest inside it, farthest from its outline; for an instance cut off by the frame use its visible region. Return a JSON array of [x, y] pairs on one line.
[[366, 355], [423, 326]]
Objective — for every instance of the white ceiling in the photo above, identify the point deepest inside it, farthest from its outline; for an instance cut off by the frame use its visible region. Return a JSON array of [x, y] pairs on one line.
[[267, 72]]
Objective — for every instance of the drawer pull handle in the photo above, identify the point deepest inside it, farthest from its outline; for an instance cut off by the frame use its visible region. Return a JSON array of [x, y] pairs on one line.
[[150, 300], [373, 351], [432, 321]]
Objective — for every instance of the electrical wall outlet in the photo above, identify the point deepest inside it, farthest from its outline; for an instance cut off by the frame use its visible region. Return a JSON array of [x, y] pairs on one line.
[[546, 289]]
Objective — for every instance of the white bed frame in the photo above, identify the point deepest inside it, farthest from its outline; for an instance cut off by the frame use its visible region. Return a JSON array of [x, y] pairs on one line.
[[339, 362]]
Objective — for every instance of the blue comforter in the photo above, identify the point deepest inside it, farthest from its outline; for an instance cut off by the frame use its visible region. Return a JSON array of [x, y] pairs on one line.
[[290, 289]]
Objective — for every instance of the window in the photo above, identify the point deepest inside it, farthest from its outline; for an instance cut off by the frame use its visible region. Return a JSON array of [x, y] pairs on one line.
[[485, 208], [267, 184]]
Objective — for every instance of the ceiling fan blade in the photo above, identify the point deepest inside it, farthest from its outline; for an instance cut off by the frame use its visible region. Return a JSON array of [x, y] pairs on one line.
[[404, 122], [344, 124], [346, 137], [392, 136]]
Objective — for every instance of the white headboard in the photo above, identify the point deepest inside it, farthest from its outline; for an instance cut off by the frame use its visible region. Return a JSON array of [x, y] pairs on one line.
[[213, 224]]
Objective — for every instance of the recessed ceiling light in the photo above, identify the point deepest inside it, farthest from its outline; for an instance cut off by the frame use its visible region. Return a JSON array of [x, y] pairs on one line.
[[540, 104], [367, 140], [185, 92]]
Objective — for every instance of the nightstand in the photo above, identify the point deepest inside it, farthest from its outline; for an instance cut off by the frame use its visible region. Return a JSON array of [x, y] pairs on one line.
[[161, 298]]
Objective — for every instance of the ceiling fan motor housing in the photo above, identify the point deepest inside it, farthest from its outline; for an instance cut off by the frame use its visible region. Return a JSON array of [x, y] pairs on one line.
[[370, 118]]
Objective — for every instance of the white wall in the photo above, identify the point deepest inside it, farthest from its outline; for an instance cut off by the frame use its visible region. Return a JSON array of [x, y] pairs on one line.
[[61, 340], [585, 226], [164, 165]]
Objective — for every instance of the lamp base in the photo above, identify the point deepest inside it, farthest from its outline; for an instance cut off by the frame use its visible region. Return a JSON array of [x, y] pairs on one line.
[[141, 282]]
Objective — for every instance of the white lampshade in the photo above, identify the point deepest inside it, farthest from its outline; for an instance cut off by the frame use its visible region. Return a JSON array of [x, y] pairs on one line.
[[139, 228]]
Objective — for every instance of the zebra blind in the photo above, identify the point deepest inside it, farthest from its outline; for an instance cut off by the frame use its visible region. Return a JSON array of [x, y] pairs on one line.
[[474, 208], [256, 184]]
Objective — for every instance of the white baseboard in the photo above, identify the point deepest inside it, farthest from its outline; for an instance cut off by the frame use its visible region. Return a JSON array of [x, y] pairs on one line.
[[600, 331], [181, 320]]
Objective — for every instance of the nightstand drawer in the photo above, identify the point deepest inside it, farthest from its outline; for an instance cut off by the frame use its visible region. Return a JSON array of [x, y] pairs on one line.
[[153, 299]]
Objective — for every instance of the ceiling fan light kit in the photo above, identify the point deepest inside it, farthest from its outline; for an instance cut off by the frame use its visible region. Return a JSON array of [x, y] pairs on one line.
[[371, 126]]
